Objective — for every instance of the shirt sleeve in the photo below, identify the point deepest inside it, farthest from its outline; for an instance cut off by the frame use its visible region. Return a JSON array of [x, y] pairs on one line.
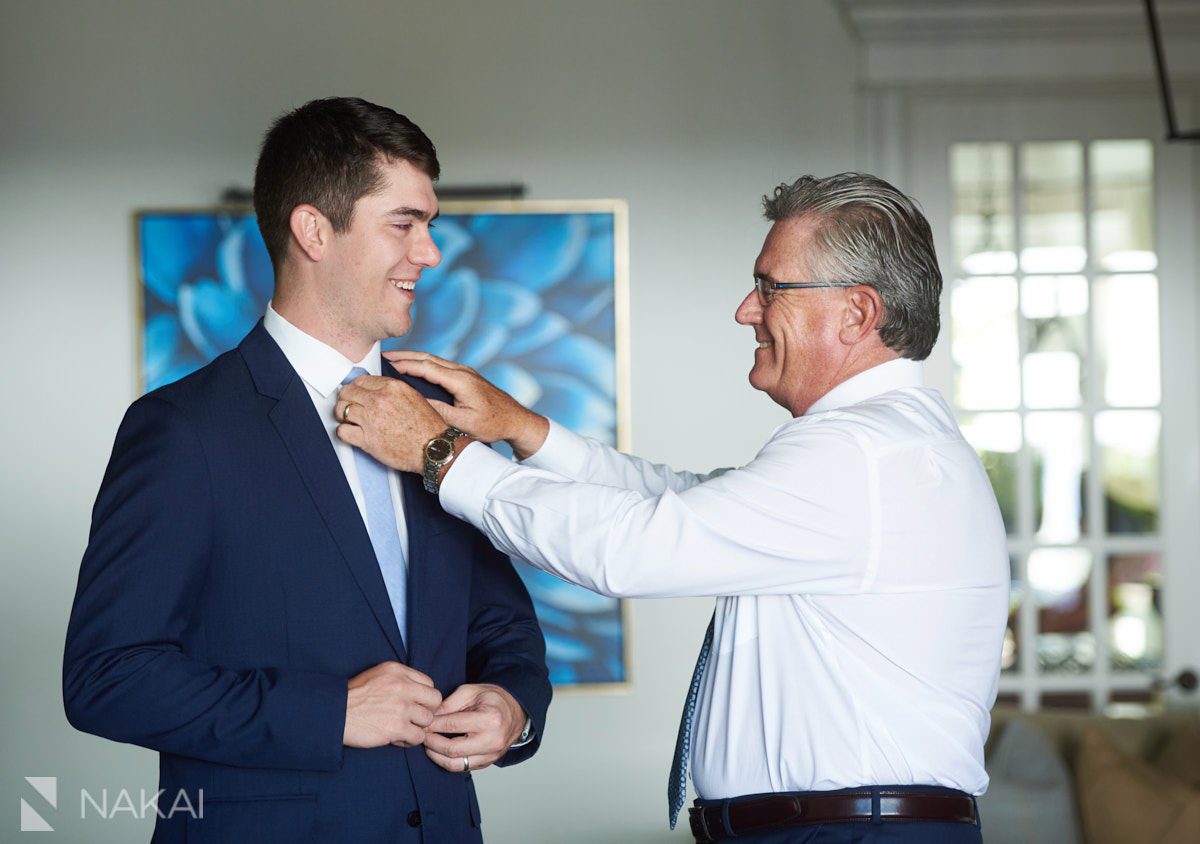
[[577, 458], [799, 518]]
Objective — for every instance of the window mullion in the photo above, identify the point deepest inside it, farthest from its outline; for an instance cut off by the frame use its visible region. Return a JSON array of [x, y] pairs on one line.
[[1097, 528], [1027, 618]]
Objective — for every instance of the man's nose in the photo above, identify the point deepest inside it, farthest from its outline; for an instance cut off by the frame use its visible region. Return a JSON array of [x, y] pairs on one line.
[[425, 252], [750, 311]]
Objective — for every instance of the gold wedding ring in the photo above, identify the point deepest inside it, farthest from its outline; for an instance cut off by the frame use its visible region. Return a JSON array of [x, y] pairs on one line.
[[466, 764], [346, 412]]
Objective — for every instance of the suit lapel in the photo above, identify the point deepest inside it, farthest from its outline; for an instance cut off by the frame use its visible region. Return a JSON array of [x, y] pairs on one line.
[[295, 418], [426, 521], [419, 513]]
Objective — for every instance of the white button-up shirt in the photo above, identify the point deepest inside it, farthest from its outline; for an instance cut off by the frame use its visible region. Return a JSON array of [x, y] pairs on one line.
[[322, 369], [861, 569]]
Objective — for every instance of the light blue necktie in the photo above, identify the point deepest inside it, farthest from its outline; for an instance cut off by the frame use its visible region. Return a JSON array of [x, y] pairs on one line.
[[381, 525], [677, 787]]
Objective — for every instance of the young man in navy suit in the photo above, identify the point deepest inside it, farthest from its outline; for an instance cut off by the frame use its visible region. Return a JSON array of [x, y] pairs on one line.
[[303, 634]]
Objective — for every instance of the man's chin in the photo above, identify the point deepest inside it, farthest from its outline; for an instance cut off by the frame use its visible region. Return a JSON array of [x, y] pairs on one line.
[[399, 329], [765, 383], [759, 379]]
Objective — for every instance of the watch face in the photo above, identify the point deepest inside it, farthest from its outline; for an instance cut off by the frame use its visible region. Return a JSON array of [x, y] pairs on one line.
[[438, 450]]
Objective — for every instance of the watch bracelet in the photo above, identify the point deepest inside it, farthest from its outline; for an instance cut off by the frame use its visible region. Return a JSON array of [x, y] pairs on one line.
[[432, 469]]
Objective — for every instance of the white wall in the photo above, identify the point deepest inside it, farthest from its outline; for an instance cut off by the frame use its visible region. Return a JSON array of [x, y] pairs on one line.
[[689, 109]]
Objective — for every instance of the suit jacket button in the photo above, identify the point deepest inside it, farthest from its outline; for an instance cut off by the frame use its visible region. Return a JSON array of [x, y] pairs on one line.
[[414, 818]]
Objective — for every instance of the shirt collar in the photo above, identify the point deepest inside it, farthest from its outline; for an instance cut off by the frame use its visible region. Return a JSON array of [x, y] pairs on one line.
[[893, 375], [320, 366]]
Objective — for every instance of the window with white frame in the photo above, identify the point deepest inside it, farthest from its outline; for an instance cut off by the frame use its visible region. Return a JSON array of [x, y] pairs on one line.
[[1054, 328]]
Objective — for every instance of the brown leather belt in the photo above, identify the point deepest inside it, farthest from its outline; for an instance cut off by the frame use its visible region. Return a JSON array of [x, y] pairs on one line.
[[739, 816]]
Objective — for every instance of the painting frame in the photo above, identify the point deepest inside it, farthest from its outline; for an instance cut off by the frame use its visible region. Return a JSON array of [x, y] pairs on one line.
[[614, 209]]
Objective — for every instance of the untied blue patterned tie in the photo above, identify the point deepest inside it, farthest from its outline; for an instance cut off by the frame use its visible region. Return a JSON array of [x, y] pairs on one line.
[[381, 525], [677, 787]]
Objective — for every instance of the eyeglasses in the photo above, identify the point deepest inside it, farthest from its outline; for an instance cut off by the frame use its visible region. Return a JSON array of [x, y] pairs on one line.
[[766, 288]]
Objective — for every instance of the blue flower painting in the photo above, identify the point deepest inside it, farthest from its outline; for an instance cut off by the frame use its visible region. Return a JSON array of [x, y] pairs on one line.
[[524, 294]]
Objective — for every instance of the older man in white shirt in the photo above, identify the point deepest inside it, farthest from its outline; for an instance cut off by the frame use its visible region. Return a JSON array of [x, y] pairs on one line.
[[859, 561]]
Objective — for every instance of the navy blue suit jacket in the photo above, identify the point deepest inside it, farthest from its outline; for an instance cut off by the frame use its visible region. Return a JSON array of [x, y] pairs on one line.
[[229, 590]]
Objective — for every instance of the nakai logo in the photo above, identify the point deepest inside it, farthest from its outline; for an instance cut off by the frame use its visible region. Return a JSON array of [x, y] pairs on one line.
[[47, 790], [106, 804]]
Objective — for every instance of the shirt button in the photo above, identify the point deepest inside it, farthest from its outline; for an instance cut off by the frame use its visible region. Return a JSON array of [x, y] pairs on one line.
[[414, 818]]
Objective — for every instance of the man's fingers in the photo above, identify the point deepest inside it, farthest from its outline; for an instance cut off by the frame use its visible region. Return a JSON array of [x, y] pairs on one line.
[[342, 414], [356, 393], [452, 415], [459, 699], [414, 365], [457, 748], [444, 762], [455, 766], [435, 373], [421, 716], [348, 392], [371, 383], [363, 388], [389, 702], [468, 721], [409, 736], [414, 355], [414, 674], [449, 747], [352, 434], [426, 696], [452, 723]]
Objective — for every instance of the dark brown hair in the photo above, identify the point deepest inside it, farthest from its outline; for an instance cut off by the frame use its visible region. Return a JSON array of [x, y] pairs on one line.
[[327, 154]]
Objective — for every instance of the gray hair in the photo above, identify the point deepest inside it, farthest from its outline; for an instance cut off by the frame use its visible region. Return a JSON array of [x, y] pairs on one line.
[[872, 234]]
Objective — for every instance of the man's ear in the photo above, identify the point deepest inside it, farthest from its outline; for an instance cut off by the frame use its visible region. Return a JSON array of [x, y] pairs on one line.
[[862, 314], [311, 231]]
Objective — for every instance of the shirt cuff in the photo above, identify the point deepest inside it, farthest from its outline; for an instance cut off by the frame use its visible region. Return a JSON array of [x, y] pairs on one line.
[[564, 452], [465, 487], [528, 734]]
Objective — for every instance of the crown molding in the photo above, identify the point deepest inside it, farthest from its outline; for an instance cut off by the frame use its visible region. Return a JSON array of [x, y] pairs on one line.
[[1024, 90], [874, 21]]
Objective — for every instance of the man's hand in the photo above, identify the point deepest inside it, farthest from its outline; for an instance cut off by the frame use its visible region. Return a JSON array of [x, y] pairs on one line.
[[490, 720], [480, 408], [387, 419], [389, 704]]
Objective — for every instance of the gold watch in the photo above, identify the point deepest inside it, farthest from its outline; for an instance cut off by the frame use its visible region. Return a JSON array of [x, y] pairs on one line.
[[439, 453]]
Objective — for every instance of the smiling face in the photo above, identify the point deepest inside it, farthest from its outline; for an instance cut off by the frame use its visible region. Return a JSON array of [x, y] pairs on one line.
[[800, 352], [373, 268]]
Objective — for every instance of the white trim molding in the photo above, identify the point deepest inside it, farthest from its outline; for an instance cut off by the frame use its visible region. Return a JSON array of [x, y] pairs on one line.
[[939, 20]]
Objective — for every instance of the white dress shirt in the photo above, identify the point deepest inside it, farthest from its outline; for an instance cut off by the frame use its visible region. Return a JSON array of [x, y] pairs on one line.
[[861, 569], [322, 369]]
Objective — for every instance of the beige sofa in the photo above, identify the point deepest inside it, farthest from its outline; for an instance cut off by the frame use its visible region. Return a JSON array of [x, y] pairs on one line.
[[1132, 779]]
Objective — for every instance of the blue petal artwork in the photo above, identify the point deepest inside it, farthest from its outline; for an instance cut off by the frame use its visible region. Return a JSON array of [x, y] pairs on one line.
[[530, 294]]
